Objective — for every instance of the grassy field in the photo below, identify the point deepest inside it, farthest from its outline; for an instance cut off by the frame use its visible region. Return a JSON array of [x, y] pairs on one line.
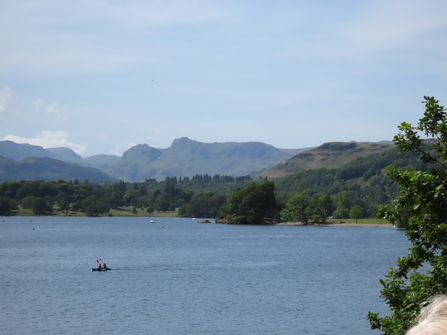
[[369, 221], [127, 211]]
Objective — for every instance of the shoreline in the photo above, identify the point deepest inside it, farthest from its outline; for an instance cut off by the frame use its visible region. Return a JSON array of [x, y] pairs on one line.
[[330, 224]]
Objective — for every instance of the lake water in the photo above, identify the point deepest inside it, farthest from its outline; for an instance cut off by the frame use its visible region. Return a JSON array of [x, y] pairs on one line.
[[190, 278]]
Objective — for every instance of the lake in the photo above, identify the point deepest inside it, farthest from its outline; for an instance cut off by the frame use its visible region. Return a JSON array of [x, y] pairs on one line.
[[190, 278]]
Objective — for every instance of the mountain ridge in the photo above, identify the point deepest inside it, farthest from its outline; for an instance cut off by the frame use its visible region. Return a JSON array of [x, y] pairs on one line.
[[328, 155], [186, 158]]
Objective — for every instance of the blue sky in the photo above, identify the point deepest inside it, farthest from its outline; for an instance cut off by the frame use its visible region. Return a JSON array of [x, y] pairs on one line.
[[101, 76]]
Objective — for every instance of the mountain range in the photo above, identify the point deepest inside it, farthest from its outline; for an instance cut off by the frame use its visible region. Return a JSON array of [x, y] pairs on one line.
[[185, 157]]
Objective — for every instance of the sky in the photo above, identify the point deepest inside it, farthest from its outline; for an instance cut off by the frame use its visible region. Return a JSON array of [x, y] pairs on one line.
[[101, 76]]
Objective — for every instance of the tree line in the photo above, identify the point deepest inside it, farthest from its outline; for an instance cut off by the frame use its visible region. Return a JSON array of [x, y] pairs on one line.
[[243, 206], [95, 199]]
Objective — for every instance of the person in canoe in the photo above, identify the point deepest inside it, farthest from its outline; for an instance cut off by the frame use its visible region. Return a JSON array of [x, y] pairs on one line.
[[104, 266]]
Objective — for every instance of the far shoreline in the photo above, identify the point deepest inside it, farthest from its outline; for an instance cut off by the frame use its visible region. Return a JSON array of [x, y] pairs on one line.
[[337, 224]]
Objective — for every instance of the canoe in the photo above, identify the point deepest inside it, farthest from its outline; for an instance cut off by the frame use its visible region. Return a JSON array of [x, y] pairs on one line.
[[96, 269]]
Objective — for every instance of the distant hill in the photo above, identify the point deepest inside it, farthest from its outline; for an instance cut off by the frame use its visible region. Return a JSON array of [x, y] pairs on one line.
[[18, 151], [44, 168], [327, 155], [187, 157]]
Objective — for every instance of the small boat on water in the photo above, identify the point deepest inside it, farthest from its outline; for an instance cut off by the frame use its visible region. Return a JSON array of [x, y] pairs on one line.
[[101, 269]]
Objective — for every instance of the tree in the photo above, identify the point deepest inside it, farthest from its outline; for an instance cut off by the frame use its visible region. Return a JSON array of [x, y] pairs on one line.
[[254, 204], [6, 206], [115, 200], [37, 205], [423, 199], [297, 208], [63, 201], [203, 205], [356, 213], [343, 204], [320, 204], [162, 202], [301, 206]]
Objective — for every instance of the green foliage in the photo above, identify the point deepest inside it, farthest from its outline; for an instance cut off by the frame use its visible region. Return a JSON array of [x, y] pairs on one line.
[[343, 203], [219, 184], [254, 204], [297, 208], [356, 212], [37, 205], [320, 205], [363, 180], [163, 202], [7, 205], [63, 201], [302, 206], [423, 199], [203, 205]]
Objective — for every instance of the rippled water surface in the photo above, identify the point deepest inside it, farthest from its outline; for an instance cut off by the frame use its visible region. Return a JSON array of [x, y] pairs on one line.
[[190, 278]]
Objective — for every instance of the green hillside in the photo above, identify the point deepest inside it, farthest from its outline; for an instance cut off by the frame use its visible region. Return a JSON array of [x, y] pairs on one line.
[[328, 155]]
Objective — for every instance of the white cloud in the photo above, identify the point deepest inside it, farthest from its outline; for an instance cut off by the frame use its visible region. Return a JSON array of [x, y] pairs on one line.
[[49, 139]]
